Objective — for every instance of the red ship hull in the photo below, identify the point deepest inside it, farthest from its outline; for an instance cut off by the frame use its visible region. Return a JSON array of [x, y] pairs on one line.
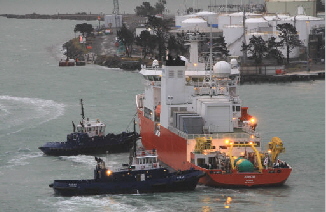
[[268, 177], [172, 150]]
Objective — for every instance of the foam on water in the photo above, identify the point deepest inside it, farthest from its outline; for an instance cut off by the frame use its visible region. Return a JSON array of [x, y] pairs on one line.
[[81, 159], [19, 113], [23, 159]]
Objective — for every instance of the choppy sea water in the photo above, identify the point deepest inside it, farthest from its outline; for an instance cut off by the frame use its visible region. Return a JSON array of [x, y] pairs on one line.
[[39, 99]]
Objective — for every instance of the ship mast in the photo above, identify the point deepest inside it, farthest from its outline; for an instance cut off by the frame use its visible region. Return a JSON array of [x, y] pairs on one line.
[[244, 34], [210, 56], [82, 109]]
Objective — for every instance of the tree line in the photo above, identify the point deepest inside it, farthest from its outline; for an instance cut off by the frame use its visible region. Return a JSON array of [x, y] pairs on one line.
[[157, 39], [260, 49], [161, 40]]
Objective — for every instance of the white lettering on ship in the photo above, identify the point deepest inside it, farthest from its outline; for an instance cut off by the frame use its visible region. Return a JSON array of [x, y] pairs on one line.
[[249, 176]]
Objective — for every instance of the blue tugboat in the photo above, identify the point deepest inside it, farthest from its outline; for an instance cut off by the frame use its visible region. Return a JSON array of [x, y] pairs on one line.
[[142, 175], [90, 138]]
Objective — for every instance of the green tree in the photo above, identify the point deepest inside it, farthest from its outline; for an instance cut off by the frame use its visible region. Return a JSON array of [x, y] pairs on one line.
[[126, 37], [147, 42], [161, 29], [320, 6], [273, 51], [219, 46], [160, 7], [257, 49], [145, 9], [176, 46], [74, 49], [85, 29], [289, 38]]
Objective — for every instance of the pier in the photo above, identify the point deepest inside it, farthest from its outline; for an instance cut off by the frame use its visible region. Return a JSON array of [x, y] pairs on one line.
[[77, 16], [289, 77]]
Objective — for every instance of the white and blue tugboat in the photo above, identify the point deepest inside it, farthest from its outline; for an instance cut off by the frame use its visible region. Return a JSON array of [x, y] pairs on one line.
[[142, 175]]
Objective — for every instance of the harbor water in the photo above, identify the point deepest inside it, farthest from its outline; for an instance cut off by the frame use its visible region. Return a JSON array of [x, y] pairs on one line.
[[39, 100]]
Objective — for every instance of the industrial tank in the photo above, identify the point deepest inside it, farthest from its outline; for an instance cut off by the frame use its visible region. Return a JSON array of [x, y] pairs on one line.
[[244, 165]]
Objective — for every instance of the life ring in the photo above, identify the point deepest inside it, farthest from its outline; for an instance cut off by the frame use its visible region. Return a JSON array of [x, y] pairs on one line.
[[279, 171], [142, 167]]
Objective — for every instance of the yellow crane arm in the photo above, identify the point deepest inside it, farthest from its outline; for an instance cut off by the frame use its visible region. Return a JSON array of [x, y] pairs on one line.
[[260, 166], [276, 147]]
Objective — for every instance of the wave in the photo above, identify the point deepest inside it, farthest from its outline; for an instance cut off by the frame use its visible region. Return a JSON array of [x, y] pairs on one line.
[[100, 203], [22, 160], [20, 113], [112, 161]]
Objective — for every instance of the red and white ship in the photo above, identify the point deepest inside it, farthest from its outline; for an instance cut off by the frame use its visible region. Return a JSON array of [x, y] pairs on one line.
[[192, 115]]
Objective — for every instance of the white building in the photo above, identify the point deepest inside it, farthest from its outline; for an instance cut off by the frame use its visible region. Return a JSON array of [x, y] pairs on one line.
[[265, 26], [210, 17], [113, 21], [290, 6]]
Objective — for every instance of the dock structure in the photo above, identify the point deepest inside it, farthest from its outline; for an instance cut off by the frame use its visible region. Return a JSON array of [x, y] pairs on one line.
[[77, 16], [288, 77]]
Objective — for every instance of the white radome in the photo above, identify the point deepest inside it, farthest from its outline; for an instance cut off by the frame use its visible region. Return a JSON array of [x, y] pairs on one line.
[[222, 69]]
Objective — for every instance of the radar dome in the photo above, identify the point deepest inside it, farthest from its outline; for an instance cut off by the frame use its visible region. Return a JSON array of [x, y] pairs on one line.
[[222, 69]]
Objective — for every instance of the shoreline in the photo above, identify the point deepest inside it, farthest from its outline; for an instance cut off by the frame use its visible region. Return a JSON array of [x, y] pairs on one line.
[[77, 16], [106, 53]]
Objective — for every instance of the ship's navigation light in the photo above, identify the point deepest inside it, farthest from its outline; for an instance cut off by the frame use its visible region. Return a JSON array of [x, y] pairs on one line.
[[227, 141], [195, 64], [251, 142], [252, 120], [227, 202], [109, 172], [269, 151]]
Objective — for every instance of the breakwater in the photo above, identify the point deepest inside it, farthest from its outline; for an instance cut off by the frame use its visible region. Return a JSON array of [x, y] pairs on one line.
[[296, 76], [77, 16]]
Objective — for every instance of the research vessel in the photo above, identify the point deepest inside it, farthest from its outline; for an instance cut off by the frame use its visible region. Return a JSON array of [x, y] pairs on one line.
[[191, 112]]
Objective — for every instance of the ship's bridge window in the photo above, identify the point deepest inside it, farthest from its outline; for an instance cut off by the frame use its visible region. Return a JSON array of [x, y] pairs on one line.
[[74, 137], [180, 74], [79, 129], [171, 74], [201, 162], [141, 161], [148, 113], [150, 160], [236, 108]]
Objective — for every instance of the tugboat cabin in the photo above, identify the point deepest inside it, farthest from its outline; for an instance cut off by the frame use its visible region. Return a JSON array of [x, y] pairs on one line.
[[91, 127]]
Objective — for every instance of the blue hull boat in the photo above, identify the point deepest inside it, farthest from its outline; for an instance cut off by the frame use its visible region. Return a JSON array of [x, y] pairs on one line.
[[90, 138], [142, 175]]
